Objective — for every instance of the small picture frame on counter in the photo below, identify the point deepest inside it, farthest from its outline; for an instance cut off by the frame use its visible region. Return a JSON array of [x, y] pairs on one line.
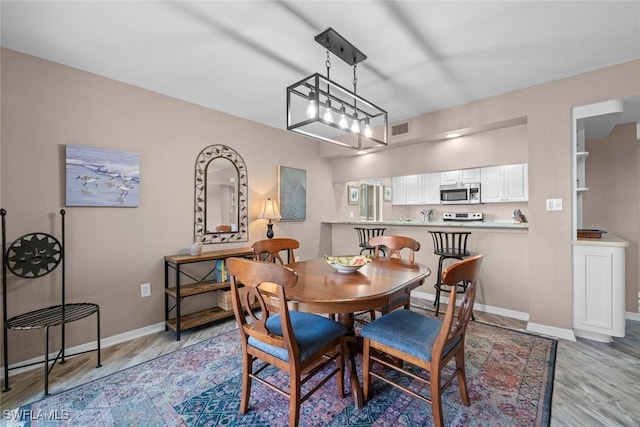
[[353, 194], [386, 193]]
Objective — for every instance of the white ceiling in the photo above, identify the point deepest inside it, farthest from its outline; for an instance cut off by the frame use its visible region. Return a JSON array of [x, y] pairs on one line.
[[239, 56]]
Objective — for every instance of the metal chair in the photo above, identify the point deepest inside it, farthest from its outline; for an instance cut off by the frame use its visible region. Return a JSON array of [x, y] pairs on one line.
[[448, 245], [365, 235], [32, 256], [302, 344], [425, 342]]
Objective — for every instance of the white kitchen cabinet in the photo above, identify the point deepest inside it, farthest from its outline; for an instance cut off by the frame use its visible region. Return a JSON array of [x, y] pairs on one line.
[[414, 189], [418, 189], [399, 190], [599, 288], [516, 182], [463, 176], [506, 183], [432, 188]]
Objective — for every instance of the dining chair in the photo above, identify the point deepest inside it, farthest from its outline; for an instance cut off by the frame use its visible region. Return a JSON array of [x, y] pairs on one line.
[[223, 228], [396, 246], [302, 344], [427, 343], [269, 249]]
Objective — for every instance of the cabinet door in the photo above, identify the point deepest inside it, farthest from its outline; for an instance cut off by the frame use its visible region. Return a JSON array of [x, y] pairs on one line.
[[432, 188], [506, 183], [516, 187], [468, 176], [449, 177], [598, 289], [464, 176], [414, 189], [491, 184], [399, 196]]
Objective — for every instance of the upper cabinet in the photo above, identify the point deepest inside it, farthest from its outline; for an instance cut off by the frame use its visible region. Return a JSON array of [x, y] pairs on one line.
[[432, 188], [506, 183], [464, 176], [422, 189]]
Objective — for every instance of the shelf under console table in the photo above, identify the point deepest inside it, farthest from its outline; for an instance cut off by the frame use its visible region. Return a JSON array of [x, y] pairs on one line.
[[199, 284]]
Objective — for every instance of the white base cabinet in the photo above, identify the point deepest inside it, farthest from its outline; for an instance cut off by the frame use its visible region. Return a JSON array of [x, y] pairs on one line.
[[599, 288]]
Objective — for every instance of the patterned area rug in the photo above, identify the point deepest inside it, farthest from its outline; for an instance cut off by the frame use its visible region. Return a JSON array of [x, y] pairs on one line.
[[510, 376]]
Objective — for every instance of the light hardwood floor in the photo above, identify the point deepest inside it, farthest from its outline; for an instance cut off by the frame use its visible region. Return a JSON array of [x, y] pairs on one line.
[[596, 384]]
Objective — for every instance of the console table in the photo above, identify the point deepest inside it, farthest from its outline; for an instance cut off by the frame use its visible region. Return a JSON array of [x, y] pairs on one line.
[[197, 285]]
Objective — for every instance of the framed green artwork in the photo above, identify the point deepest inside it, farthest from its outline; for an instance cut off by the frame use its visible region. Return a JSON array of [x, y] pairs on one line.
[[292, 193]]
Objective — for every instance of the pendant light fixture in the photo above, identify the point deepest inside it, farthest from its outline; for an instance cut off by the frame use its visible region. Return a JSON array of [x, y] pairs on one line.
[[312, 103]]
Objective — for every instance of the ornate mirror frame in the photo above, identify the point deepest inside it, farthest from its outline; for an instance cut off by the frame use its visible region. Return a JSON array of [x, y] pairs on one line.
[[200, 234]]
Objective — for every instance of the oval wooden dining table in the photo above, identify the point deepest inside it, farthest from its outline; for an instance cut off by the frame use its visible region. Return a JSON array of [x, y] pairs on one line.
[[321, 289]]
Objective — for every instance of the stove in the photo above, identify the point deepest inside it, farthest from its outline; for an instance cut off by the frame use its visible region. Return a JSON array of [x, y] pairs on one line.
[[462, 216]]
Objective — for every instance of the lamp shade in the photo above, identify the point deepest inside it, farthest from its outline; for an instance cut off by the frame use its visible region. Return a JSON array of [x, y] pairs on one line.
[[269, 210]]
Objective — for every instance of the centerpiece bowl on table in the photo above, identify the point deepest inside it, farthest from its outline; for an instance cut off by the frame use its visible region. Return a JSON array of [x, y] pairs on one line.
[[347, 263]]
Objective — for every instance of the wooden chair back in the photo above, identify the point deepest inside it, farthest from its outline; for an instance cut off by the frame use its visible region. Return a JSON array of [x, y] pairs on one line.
[[269, 250], [394, 245], [264, 283], [454, 327], [223, 228]]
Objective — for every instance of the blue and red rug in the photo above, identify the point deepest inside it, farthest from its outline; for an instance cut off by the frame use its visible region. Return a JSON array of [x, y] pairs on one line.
[[510, 378]]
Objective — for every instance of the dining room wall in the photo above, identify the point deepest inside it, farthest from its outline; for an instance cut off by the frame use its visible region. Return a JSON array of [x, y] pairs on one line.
[[111, 251]]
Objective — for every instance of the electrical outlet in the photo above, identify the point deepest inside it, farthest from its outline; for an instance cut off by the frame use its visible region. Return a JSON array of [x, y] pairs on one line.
[[351, 215], [145, 290], [554, 204], [297, 258]]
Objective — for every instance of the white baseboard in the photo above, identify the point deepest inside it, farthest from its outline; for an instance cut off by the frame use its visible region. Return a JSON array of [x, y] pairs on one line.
[[106, 342], [480, 307], [531, 327], [566, 334], [632, 316]]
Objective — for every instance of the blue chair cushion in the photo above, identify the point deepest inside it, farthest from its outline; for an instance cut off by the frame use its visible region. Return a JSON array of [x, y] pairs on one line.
[[312, 332], [406, 331]]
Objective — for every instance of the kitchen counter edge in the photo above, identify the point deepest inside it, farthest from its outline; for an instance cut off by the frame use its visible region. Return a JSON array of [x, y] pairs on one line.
[[466, 224], [606, 240]]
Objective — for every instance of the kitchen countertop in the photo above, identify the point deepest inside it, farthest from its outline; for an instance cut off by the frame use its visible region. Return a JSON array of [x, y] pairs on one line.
[[606, 240], [438, 223]]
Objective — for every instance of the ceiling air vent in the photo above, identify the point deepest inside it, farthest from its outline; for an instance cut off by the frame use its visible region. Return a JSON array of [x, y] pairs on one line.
[[400, 129]]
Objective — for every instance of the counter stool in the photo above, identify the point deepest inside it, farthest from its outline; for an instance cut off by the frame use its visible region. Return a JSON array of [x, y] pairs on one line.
[[449, 245], [365, 234]]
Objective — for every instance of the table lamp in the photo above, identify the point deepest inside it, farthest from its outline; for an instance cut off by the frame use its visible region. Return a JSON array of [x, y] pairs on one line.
[[269, 210]]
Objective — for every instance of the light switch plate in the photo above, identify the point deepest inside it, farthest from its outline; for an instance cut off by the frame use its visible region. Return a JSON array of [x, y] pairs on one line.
[[554, 204]]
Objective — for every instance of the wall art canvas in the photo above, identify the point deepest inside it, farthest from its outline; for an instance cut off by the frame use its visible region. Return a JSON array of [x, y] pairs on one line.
[[292, 193], [354, 195], [101, 177], [387, 193]]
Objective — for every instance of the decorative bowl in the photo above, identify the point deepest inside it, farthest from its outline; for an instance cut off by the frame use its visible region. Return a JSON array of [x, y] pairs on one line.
[[347, 263]]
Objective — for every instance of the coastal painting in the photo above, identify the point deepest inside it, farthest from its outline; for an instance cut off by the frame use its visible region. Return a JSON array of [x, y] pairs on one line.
[[102, 177]]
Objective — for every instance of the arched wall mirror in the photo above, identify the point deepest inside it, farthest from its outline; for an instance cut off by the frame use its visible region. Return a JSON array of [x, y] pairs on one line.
[[220, 196]]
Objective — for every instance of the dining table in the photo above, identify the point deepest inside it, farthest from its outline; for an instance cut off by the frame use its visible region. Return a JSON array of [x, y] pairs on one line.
[[322, 289]]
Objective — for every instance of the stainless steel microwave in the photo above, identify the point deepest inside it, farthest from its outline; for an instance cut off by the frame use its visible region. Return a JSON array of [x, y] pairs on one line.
[[460, 194]]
